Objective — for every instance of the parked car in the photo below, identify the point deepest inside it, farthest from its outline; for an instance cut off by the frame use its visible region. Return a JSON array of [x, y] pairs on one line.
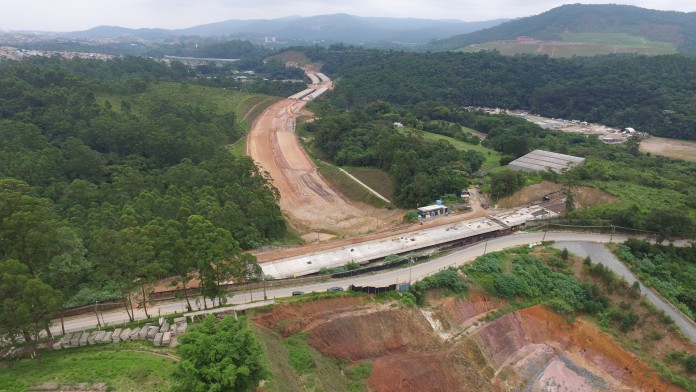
[[297, 292], [335, 288]]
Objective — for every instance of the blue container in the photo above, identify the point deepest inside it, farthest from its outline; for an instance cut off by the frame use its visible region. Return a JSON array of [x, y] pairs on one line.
[[438, 202]]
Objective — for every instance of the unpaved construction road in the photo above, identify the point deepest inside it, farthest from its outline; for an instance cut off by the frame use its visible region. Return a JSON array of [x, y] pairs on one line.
[[309, 202]]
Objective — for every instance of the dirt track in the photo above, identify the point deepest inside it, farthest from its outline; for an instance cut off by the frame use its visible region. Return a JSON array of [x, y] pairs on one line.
[[309, 202]]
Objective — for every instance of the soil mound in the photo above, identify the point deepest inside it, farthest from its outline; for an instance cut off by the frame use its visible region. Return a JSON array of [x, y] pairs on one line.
[[533, 349], [290, 318], [373, 335]]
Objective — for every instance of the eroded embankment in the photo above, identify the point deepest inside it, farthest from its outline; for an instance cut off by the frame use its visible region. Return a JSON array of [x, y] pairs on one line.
[[533, 349]]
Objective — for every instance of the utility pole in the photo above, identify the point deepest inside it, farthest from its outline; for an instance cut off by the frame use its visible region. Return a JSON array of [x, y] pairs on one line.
[[264, 288], [96, 312], [545, 231], [410, 266], [611, 237]]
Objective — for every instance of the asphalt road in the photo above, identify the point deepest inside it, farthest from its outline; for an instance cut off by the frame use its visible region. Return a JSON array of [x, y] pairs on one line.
[[403, 275], [600, 254]]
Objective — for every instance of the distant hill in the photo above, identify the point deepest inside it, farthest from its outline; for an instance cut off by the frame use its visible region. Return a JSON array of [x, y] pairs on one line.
[[611, 25], [333, 28]]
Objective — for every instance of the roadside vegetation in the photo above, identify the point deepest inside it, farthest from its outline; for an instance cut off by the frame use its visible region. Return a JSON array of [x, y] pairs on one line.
[[572, 287], [295, 366], [126, 366], [220, 355], [669, 270]]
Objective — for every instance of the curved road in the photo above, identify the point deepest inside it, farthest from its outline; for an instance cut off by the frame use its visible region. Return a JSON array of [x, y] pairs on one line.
[[600, 254], [416, 272]]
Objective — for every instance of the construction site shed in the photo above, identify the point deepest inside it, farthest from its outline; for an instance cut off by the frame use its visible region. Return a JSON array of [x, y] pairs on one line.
[[540, 160], [433, 210]]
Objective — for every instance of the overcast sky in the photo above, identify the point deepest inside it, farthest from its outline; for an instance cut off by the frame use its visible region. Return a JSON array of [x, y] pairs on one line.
[[73, 15]]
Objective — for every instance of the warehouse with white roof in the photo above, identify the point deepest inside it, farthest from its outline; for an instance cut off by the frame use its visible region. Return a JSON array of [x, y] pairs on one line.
[[540, 160]]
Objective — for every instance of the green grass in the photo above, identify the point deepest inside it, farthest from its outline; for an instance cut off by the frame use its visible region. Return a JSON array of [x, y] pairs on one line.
[[492, 156], [357, 375], [128, 366], [246, 106], [349, 187], [377, 179], [581, 44], [644, 197], [283, 377], [217, 99], [254, 106]]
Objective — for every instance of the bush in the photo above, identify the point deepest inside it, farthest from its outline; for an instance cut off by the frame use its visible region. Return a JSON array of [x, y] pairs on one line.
[[220, 356], [447, 279], [565, 254], [560, 306], [690, 363], [628, 320], [489, 263], [299, 354], [508, 285]]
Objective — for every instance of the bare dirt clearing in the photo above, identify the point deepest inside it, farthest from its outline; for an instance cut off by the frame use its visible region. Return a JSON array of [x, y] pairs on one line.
[[307, 200], [671, 148], [584, 196], [533, 347]]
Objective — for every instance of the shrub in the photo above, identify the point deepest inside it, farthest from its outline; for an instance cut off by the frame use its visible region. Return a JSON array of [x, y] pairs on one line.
[[508, 285], [690, 363], [299, 354]]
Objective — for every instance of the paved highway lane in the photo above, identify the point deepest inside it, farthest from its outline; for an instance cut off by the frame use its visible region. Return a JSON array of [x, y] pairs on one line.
[[600, 254], [416, 272]]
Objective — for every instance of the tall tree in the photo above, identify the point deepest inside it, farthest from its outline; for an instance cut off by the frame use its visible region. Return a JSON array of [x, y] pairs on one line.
[[220, 356], [27, 305]]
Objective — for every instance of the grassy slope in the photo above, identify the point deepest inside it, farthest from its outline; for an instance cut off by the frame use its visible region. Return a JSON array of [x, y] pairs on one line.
[[492, 157], [591, 44], [376, 179], [246, 106], [312, 371], [124, 367], [646, 198], [348, 187]]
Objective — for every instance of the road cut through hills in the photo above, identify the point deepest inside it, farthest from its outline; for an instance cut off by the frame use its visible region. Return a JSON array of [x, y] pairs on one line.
[[307, 199]]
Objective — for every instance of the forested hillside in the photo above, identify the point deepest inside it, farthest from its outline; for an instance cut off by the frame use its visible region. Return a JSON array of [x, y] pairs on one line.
[[650, 94], [421, 170], [114, 174], [427, 92], [665, 26]]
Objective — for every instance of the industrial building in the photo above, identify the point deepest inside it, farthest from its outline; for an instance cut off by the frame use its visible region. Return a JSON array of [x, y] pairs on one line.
[[540, 160]]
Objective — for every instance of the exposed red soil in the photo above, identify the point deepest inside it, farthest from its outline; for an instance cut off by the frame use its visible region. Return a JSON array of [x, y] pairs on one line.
[[373, 335], [533, 349], [444, 370], [308, 201], [292, 317], [584, 196]]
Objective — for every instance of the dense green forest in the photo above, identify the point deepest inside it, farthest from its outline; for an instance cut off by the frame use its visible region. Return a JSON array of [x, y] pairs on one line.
[[650, 94], [669, 270], [667, 26], [422, 171], [114, 174], [657, 193]]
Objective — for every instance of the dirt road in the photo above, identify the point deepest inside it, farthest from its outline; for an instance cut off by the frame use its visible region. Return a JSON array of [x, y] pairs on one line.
[[309, 202]]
